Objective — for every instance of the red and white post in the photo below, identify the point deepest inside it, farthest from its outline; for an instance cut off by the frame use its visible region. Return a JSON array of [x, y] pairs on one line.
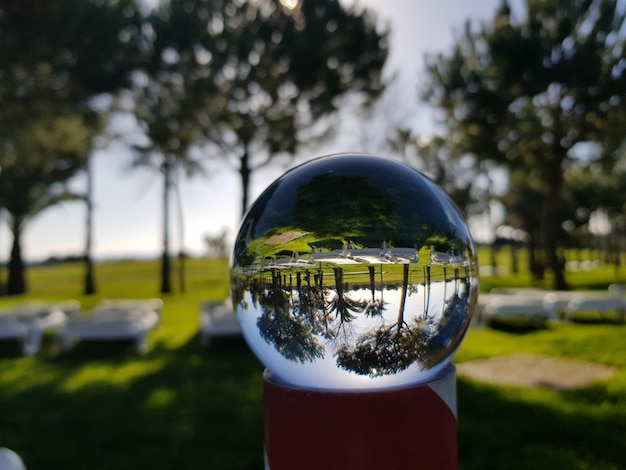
[[412, 427]]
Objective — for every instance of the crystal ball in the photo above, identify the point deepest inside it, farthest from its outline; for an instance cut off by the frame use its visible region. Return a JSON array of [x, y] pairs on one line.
[[353, 272]]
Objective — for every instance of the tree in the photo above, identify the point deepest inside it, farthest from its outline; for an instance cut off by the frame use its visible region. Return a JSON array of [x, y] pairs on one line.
[[34, 166], [458, 175], [287, 64], [594, 191], [170, 165], [525, 94], [170, 89], [217, 244], [291, 335], [243, 79], [55, 57]]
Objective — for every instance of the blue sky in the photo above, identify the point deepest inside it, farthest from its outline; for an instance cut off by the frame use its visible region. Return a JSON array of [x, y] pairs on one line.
[[127, 218]]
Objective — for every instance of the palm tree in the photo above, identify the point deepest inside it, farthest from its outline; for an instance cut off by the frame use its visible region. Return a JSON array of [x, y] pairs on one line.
[[170, 166], [346, 307], [170, 90], [35, 165], [57, 58]]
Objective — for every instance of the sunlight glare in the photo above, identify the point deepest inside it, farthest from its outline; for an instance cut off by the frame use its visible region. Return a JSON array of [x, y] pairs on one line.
[[289, 4]]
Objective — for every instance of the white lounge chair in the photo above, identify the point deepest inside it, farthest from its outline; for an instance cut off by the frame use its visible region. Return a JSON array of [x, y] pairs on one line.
[[217, 319], [596, 303], [526, 303], [519, 306], [618, 290], [154, 304], [114, 320], [28, 322]]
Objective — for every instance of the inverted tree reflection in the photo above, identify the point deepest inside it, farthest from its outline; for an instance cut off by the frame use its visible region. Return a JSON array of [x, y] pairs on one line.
[[292, 337], [347, 321], [389, 348]]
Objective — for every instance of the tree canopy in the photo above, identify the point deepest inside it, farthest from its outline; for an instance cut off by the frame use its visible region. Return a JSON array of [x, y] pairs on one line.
[[259, 77], [54, 58], [242, 80], [528, 93]]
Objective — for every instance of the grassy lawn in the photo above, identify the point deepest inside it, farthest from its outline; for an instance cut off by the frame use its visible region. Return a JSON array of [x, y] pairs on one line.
[[184, 407], [522, 428]]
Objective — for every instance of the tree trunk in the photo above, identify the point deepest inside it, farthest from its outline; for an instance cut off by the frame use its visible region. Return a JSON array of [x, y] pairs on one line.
[[535, 260], [90, 283], [551, 225], [405, 288], [166, 284], [181, 237], [372, 271], [3, 286], [514, 259], [493, 250], [16, 283], [244, 171]]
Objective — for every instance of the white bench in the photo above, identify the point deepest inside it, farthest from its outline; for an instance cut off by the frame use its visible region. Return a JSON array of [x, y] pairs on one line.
[[602, 304], [547, 304], [114, 320], [28, 322], [518, 306], [217, 319]]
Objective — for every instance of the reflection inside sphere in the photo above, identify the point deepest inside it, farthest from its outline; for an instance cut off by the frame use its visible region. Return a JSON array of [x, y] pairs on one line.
[[353, 272]]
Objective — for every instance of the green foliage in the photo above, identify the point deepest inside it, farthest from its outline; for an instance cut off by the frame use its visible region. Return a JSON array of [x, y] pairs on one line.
[[333, 196], [243, 79], [54, 58], [258, 78], [599, 277], [35, 165], [529, 95]]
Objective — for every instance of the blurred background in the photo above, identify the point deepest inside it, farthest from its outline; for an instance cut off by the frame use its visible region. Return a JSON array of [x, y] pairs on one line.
[[138, 131], [142, 129]]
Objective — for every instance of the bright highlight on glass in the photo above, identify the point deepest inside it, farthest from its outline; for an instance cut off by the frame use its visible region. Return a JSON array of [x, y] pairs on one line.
[[354, 272]]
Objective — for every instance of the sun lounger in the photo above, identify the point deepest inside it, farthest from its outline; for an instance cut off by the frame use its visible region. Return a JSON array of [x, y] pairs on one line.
[[27, 323], [519, 306], [602, 304], [549, 304], [154, 304], [217, 319], [558, 300], [618, 290], [114, 320], [13, 329], [517, 303]]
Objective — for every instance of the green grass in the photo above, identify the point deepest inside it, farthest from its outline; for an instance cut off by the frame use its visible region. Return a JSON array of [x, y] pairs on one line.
[[521, 428], [184, 407], [598, 278]]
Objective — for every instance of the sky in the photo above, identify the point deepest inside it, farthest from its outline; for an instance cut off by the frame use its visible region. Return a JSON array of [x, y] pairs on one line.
[[127, 202]]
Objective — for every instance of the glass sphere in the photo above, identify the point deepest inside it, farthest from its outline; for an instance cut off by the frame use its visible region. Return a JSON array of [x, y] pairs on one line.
[[354, 272]]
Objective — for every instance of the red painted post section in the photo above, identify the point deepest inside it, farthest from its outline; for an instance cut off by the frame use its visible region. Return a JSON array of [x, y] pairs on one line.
[[398, 429]]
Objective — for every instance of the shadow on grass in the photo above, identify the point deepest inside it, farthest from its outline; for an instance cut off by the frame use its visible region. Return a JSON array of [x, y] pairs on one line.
[[597, 319], [188, 408], [499, 431], [94, 349], [517, 325], [10, 348], [201, 408]]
